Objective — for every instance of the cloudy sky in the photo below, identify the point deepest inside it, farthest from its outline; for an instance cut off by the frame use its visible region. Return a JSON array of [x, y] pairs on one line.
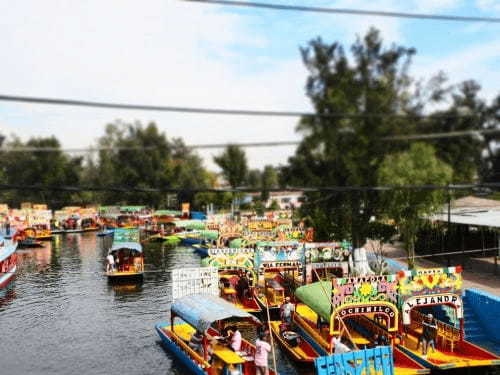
[[169, 52]]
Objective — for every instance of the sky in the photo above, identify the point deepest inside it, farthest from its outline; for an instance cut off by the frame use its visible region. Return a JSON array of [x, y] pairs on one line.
[[175, 53]]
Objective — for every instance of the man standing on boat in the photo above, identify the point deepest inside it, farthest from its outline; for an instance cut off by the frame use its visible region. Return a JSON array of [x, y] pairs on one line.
[[286, 311], [111, 263], [429, 332]]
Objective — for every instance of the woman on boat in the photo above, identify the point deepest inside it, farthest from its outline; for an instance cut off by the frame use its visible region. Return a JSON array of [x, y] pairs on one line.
[[286, 311], [262, 349], [234, 336]]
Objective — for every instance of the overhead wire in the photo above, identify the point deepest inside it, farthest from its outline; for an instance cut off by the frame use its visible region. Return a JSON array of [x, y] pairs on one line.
[[304, 189], [217, 111], [357, 12]]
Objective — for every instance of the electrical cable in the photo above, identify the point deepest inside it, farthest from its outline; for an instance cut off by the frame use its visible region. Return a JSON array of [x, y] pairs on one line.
[[357, 12], [215, 111]]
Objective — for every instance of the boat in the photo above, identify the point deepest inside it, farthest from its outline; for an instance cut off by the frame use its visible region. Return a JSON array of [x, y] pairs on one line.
[[232, 265], [422, 293], [209, 315], [297, 347], [127, 253], [8, 262], [40, 232], [106, 233], [25, 241], [279, 267], [328, 310]]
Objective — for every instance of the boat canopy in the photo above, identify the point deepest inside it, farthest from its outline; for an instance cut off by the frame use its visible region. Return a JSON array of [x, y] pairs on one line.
[[126, 245], [313, 295], [201, 310]]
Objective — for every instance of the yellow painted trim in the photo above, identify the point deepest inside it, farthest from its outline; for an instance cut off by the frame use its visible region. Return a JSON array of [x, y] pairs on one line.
[[358, 304]]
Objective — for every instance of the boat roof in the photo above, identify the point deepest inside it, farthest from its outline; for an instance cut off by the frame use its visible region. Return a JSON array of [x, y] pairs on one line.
[[315, 297], [126, 245], [201, 310]]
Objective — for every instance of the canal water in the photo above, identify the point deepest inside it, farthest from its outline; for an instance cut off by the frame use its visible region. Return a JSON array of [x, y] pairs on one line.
[[61, 316]]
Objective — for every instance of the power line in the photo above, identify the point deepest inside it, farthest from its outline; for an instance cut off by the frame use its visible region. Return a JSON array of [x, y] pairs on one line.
[[216, 111], [357, 12], [452, 134], [304, 189], [57, 149]]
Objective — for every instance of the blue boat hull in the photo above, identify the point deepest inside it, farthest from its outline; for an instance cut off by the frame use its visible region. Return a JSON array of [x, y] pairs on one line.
[[179, 354], [191, 241]]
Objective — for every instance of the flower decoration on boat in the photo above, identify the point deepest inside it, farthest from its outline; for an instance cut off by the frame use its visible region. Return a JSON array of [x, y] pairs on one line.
[[366, 289]]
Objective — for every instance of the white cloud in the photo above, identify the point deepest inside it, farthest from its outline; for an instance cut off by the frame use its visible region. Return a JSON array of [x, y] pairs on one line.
[[169, 52], [488, 5]]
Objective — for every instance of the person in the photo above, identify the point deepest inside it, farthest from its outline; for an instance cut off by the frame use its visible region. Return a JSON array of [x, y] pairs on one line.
[[242, 286], [235, 339], [111, 263], [429, 332], [339, 346], [262, 349], [196, 342], [286, 311]]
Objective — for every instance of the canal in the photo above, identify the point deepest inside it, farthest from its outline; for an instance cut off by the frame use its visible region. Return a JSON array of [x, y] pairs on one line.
[[61, 316]]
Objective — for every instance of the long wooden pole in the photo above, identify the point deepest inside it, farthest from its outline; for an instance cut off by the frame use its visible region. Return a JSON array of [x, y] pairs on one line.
[[331, 305], [271, 335]]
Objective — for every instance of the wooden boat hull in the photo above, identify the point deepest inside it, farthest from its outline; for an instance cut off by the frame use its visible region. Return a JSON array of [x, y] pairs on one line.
[[124, 275], [189, 241], [177, 351], [8, 277], [201, 250], [29, 244], [303, 353]]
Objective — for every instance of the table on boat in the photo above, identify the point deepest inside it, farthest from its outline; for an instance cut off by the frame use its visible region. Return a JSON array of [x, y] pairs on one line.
[[227, 355]]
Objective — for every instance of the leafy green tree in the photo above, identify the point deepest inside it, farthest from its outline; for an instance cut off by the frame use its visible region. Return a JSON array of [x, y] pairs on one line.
[[407, 207], [345, 151], [54, 168], [254, 178], [269, 180], [233, 162]]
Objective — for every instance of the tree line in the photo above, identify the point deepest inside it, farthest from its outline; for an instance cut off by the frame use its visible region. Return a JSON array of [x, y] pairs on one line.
[[370, 81]]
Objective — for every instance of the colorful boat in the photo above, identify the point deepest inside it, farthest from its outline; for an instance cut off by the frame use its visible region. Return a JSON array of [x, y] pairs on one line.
[[127, 253], [237, 278], [208, 315], [24, 241], [421, 295], [106, 233], [279, 267], [40, 232], [297, 347], [353, 313], [8, 262]]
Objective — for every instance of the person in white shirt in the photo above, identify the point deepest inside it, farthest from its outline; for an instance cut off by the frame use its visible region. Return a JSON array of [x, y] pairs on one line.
[[339, 347], [111, 263]]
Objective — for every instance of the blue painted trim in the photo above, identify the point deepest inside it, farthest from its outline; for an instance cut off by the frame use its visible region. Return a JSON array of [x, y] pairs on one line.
[[183, 357]]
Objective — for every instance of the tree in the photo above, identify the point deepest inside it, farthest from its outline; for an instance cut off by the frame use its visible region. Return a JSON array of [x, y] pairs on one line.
[[269, 180], [233, 162], [379, 235], [345, 151], [418, 166], [43, 168]]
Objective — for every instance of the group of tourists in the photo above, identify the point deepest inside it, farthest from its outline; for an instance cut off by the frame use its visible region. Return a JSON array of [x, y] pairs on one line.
[[233, 339]]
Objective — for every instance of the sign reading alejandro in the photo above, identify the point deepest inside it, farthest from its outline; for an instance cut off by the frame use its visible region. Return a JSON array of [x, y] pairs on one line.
[[365, 295], [427, 287]]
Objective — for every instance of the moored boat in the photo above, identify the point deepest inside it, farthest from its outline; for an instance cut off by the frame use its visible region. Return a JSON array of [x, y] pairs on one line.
[[294, 344], [8, 262], [209, 316]]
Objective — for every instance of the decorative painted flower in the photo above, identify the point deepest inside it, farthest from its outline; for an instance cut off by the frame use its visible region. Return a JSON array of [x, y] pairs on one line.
[[366, 289]]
